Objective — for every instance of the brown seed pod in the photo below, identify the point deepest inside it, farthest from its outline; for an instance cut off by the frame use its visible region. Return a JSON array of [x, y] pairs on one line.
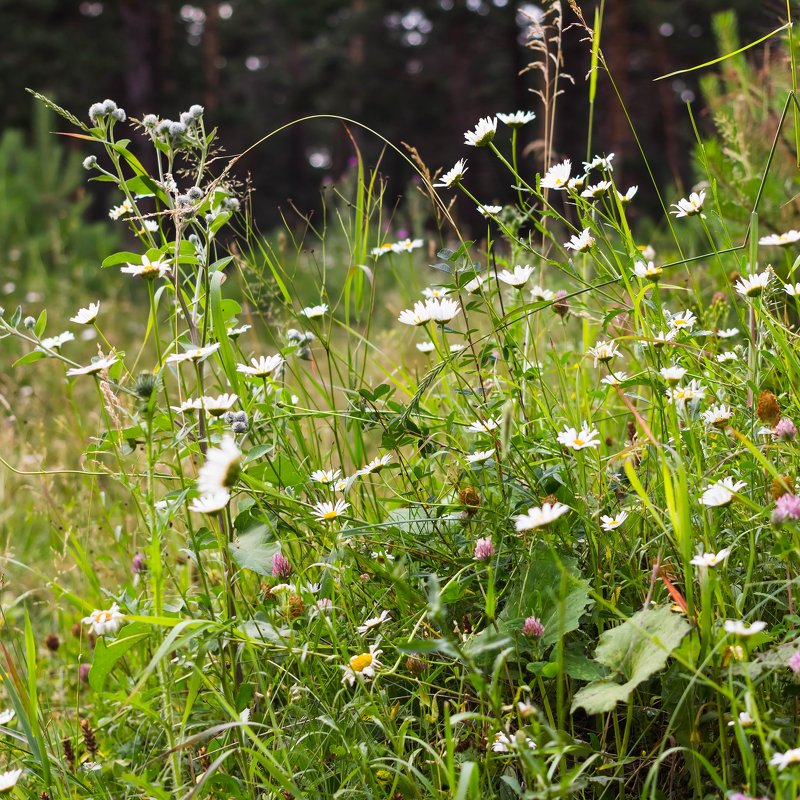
[[767, 408]]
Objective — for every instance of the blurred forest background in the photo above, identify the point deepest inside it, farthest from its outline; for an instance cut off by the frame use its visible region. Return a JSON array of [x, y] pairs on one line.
[[418, 71]]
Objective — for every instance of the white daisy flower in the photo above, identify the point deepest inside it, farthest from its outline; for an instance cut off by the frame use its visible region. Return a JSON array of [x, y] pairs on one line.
[[501, 743], [648, 271], [211, 503], [457, 347], [9, 779], [327, 512], [98, 365], [793, 290], [374, 622], [407, 245], [7, 715], [781, 239], [579, 440], [691, 206], [86, 316], [383, 249], [217, 406], [102, 622], [476, 283], [727, 333], [517, 118], [435, 292], [682, 320], [672, 375], [363, 666], [727, 355], [326, 476], [519, 277], [56, 342], [600, 162], [557, 176], [717, 416], [753, 285], [489, 211], [262, 366], [310, 312], [417, 316], [195, 354], [221, 467], [721, 493], [659, 339], [680, 395], [453, 176], [596, 190], [608, 523], [540, 293], [783, 760], [480, 455], [376, 465], [615, 379], [483, 134], [148, 269], [576, 183], [744, 719], [117, 212], [426, 347], [626, 198], [441, 310], [188, 406], [484, 426], [539, 517], [236, 332], [603, 352], [710, 559], [737, 627], [582, 242]]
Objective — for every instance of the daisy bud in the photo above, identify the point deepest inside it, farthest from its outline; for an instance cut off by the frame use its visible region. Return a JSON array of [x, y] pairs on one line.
[[95, 112], [29, 322], [119, 114], [195, 193], [196, 111], [150, 121], [90, 162], [108, 106], [177, 129]]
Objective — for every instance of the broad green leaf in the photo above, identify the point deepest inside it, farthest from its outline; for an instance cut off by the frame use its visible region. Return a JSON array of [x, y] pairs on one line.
[[107, 653], [252, 551], [635, 650]]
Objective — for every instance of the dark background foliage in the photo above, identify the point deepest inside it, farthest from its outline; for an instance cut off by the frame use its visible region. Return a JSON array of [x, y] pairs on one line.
[[418, 72]]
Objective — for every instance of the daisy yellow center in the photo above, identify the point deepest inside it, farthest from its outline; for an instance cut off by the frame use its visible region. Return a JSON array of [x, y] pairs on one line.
[[332, 514], [579, 442], [104, 616], [360, 662]]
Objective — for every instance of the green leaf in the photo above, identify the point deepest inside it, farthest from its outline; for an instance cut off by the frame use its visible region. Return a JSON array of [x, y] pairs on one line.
[[253, 551], [107, 653], [29, 358], [122, 257], [221, 332], [41, 324], [635, 650]]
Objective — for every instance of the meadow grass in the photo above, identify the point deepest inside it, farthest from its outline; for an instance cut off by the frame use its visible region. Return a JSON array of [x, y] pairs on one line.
[[328, 514]]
